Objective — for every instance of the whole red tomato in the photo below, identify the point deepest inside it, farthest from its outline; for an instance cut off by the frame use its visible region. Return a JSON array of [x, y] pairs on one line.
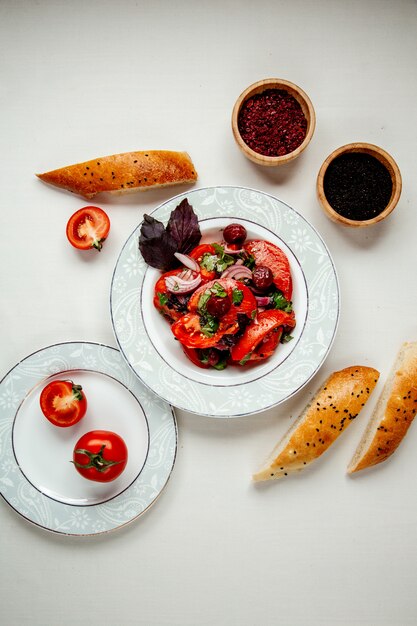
[[88, 228], [63, 403], [100, 455]]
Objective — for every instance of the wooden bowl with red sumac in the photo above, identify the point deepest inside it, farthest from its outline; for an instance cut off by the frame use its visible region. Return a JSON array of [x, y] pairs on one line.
[[358, 185], [273, 121]]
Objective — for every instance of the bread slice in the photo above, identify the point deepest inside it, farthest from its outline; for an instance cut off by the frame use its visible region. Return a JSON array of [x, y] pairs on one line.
[[333, 408], [393, 414], [124, 173]]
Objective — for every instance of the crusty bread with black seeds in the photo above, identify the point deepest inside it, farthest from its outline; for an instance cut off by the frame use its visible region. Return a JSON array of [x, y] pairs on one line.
[[124, 173], [333, 408], [393, 414]]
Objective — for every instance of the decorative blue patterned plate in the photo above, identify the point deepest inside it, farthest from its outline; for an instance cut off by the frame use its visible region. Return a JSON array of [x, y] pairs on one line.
[[37, 477], [148, 345]]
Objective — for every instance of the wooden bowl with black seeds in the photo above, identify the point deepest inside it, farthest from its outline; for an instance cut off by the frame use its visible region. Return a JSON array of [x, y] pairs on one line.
[[358, 185], [273, 121]]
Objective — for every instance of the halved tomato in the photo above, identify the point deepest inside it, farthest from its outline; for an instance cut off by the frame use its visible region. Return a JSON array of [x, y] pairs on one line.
[[63, 403], [258, 339], [161, 295], [268, 254], [197, 254], [88, 228], [187, 329]]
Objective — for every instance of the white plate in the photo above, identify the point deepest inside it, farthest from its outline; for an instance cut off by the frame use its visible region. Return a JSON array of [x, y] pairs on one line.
[[38, 479], [147, 343]]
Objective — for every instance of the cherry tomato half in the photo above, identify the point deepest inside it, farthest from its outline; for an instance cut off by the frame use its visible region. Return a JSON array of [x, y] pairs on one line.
[[197, 254], [188, 331], [268, 254], [161, 295], [100, 455], [258, 333], [63, 403], [88, 228]]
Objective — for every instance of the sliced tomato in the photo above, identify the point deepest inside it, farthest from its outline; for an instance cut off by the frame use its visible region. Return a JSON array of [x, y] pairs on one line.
[[260, 331], [197, 254], [267, 346], [192, 354], [247, 305], [161, 295], [88, 228], [270, 255], [63, 403], [188, 331]]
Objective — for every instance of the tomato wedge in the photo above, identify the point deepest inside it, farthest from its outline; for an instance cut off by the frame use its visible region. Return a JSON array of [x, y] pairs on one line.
[[197, 254], [161, 295], [268, 254], [192, 354], [247, 305], [63, 403], [88, 228], [260, 332], [188, 331]]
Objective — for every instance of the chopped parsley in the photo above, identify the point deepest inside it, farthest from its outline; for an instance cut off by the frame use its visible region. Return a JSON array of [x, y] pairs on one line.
[[279, 301], [215, 290], [163, 298], [237, 296], [245, 359], [208, 325], [286, 337], [224, 260]]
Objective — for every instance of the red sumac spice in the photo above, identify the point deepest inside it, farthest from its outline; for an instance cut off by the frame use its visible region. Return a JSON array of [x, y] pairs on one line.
[[272, 123]]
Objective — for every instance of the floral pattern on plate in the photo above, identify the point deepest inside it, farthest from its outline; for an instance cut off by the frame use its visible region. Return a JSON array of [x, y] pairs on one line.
[[264, 391], [71, 519]]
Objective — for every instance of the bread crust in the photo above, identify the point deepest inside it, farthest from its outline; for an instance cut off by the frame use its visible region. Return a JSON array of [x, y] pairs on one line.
[[124, 173], [393, 414], [336, 404]]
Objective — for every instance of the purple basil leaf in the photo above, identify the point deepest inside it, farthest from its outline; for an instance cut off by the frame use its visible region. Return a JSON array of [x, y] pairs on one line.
[[156, 244], [183, 227]]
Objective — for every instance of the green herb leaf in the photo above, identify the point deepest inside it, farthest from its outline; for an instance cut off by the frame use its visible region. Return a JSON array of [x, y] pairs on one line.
[[248, 260], [245, 358], [221, 365], [162, 297], [218, 290], [237, 296], [224, 260], [280, 302], [286, 337], [202, 301], [208, 325], [209, 261]]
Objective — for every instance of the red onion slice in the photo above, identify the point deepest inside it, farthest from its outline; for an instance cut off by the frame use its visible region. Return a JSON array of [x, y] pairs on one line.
[[262, 300], [231, 250], [177, 285], [237, 271], [187, 261]]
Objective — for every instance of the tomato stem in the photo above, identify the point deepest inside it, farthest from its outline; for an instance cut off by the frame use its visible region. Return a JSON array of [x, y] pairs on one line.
[[98, 244], [76, 390], [96, 460]]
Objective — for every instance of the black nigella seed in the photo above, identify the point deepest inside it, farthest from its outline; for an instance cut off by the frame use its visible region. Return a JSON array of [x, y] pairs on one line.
[[357, 185]]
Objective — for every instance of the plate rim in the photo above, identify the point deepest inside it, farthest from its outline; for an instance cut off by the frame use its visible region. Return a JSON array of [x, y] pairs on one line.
[[14, 411], [338, 303]]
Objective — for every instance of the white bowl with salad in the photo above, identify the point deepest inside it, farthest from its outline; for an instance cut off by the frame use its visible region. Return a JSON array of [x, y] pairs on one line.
[[215, 290]]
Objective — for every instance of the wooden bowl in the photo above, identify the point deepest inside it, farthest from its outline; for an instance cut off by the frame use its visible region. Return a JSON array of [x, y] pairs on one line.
[[389, 164], [306, 106]]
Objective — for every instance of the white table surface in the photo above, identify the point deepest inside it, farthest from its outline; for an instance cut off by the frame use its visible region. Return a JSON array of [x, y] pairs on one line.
[[85, 79]]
